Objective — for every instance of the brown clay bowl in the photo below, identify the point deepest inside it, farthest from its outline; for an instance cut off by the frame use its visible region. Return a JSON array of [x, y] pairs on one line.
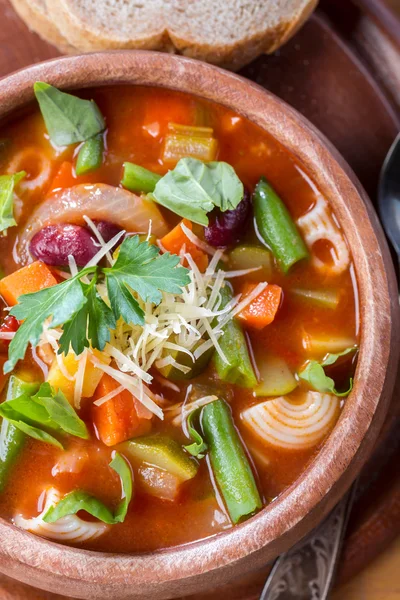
[[205, 564]]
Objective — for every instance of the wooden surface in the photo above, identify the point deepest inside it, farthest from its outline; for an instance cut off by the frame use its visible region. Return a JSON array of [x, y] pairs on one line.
[[295, 74]]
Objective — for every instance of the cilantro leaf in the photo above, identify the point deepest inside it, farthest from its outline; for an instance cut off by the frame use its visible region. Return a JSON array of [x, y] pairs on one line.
[[141, 268], [194, 188], [314, 374], [92, 322], [7, 185], [68, 119], [61, 302], [80, 500]]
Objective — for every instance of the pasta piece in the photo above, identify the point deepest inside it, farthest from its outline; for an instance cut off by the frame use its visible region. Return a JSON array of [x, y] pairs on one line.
[[70, 528], [36, 164], [318, 224], [295, 425]]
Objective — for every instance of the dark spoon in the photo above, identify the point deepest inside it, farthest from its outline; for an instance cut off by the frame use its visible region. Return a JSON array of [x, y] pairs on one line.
[[389, 196]]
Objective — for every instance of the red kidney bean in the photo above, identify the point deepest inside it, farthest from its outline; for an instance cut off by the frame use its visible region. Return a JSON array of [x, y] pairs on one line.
[[227, 227], [9, 325], [54, 243], [107, 230]]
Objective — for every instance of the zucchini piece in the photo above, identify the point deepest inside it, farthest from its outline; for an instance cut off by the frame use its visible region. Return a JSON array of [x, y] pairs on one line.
[[323, 298], [250, 257], [276, 379], [195, 368], [164, 453]]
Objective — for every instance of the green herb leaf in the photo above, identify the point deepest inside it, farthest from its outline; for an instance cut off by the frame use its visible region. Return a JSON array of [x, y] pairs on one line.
[[68, 119], [60, 412], [7, 185], [314, 374], [198, 447], [61, 302], [19, 421], [141, 268], [79, 500], [193, 188]]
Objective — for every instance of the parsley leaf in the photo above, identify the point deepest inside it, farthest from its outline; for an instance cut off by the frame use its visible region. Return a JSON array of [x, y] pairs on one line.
[[194, 188], [7, 185], [61, 302], [80, 500], [141, 268], [68, 119], [314, 374]]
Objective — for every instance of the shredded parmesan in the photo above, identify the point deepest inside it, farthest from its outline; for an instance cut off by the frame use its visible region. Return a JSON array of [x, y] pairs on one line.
[[105, 250], [79, 377], [109, 396], [197, 241]]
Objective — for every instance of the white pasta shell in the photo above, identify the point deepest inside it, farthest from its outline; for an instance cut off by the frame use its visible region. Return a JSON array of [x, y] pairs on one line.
[[318, 224], [20, 162], [295, 425], [71, 528]]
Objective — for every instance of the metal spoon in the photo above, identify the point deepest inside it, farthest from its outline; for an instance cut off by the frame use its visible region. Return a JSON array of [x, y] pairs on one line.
[[306, 572], [389, 196]]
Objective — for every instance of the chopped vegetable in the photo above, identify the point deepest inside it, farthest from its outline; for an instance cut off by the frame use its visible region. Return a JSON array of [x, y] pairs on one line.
[[322, 344], [46, 409], [7, 185], [238, 369], [121, 417], [229, 463], [276, 379], [193, 188], [182, 366], [323, 298], [11, 438], [189, 141], [79, 500], [198, 447], [164, 453], [64, 178], [68, 119], [176, 240], [32, 278], [252, 257], [90, 155], [314, 374], [262, 310], [158, 482], [139, 179], [70, 364], [276, 226]]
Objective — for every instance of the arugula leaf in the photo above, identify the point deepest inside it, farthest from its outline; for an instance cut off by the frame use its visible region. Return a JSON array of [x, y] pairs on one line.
[[7, 185], [92, 322], [141, 268], [61, 302], [80, 500], [68, 119], [198, 447], [193, 188], [314, 374]]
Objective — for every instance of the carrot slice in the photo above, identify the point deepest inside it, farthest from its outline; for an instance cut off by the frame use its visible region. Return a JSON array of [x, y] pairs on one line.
[[66, 177], [121, 417], [32, 278], [262, 310], [175, 240]]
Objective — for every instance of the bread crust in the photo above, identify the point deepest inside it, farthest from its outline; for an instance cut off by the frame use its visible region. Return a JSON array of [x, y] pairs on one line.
[[79, 34], [36, 18]]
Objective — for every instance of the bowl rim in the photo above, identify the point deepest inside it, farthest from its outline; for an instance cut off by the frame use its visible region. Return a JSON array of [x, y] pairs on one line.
[[303, 504]]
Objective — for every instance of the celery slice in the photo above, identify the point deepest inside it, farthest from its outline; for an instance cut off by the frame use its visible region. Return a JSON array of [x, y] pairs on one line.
[[188, 141], [323, 298]]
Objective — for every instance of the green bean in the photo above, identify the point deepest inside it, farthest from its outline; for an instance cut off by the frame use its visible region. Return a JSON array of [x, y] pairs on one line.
[[229, 463], [276, 226], [11, 438], [139, 179], [238, 369], [90, 155]]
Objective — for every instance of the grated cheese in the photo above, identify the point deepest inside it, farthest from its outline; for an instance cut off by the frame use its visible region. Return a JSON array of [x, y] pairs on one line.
[[109, 396]]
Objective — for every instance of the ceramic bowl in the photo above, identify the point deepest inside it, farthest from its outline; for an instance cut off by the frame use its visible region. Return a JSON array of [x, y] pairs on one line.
[[205, 564]]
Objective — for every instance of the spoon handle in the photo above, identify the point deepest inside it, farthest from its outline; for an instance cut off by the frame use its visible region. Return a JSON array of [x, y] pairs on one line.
[[306, 571]]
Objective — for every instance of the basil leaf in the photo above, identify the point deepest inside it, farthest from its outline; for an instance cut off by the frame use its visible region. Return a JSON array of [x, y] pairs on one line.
[[60, 412], [314, 374], [61, 302], [68, 119], [193, 188], [141, 268], [7, 185], [14, 417], [80, 500], [198, 447]]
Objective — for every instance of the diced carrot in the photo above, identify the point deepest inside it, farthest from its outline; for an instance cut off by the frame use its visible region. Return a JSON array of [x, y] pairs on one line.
[[262, 310], [175, 240], [121, 417], [160, 111], [66, 177], [32, 278]]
